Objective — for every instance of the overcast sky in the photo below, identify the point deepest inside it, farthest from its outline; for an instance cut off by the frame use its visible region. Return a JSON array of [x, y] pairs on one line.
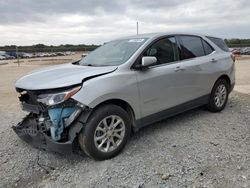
[[25, 22]]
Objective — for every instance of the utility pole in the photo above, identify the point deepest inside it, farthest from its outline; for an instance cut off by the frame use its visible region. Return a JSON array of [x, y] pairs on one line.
[[17, 55], [137, 28]]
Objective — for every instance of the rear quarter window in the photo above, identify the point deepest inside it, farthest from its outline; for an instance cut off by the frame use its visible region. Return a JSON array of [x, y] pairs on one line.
[[207, 48], [220, 43], [191, 47]]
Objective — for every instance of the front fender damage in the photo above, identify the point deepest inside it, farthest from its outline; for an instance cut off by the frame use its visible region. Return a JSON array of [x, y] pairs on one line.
[[34, 132], [54, 128]]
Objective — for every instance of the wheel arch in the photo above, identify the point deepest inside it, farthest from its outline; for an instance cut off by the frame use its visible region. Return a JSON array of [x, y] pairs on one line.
[[124, 105], [227, 78]]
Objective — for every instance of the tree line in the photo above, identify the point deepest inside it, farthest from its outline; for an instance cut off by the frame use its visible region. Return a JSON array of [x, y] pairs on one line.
[[47, 48], [82, 47], [238, 42]]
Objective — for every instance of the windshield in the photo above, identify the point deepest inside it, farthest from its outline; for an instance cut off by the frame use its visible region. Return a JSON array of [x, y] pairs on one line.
[[113, 53]]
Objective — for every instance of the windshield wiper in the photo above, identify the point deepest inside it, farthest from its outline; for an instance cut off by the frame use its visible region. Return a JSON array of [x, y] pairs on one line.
[[89, 65], [96, 65]]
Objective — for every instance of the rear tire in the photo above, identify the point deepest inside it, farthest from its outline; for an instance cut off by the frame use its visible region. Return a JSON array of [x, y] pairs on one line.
[[219, 96], [106, 132]]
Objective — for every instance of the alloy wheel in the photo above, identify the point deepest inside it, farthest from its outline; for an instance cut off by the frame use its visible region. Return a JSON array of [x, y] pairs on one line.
[[109, 133], [220, 95]]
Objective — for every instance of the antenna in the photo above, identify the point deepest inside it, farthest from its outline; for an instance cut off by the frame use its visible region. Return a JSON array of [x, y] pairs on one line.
[[17, 55], [137, 28]]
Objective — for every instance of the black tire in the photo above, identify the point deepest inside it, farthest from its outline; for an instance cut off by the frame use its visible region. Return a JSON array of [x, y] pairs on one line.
[[86, 137], [212, 101]]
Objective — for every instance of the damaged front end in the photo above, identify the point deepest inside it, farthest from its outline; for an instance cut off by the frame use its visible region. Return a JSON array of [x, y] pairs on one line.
[[54, 121]]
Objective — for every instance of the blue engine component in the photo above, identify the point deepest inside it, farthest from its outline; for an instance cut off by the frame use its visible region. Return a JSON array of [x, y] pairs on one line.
[[57, 116]]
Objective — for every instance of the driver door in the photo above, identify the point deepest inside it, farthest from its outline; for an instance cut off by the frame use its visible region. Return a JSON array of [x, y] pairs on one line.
[[159, 85]]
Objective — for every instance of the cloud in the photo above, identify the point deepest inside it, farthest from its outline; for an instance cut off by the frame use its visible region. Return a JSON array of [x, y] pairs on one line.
[[80, 21], [15, 11]]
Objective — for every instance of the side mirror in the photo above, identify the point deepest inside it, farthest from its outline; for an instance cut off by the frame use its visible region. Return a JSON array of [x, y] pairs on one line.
[[148, 60]]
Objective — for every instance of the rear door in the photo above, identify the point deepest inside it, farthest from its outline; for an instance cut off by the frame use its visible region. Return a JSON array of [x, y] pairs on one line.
[[197, 57]]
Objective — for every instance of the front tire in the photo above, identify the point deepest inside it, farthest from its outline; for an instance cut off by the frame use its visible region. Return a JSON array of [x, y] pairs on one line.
[[219, 96], [106, 132]]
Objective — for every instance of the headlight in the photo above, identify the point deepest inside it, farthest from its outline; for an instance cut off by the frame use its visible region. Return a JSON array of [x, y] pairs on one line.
[[56, 98]]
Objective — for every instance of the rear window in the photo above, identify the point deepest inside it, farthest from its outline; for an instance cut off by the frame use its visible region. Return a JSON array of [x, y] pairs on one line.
[[220, 43]]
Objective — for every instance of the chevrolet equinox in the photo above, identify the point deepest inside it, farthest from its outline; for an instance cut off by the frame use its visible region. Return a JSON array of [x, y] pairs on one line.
[[95, 103]]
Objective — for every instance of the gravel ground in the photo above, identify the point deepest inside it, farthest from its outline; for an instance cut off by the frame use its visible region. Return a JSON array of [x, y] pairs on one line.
[[194, 149]]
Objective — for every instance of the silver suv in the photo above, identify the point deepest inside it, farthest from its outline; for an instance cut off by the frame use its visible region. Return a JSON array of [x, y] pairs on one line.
[[94, 104]]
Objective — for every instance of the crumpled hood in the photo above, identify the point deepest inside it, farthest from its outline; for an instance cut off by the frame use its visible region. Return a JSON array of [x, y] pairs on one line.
[[59, 76]]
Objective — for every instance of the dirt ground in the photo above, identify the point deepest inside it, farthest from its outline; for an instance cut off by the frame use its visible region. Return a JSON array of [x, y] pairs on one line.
[[243, 75], [194, 149]]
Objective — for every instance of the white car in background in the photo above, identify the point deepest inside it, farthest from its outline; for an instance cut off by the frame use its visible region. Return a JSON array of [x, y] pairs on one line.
[[2, 57], [27, 55], [84, 54]]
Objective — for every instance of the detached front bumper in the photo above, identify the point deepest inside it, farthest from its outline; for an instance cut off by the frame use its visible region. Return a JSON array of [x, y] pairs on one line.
[[28, 131]]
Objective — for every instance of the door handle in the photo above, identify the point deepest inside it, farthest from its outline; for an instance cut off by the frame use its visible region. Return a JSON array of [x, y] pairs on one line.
[[177, 69], [213, 60]]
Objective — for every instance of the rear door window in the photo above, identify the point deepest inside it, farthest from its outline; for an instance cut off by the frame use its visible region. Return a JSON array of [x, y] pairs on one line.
[[220, 43], [191, 47]]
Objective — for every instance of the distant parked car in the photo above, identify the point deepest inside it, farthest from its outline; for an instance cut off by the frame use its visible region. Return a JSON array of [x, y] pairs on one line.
[[121, 87], [2, 53], [60, 54], [84, 54], [41, 55], [68, 53], [2, 57], [8, 56], [27, 55], [245, 51]]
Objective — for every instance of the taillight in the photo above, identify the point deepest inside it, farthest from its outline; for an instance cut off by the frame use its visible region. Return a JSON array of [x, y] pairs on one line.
[[233, 56]]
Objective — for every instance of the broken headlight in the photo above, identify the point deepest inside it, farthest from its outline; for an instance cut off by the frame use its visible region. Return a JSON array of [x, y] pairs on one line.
[[56, 98]]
